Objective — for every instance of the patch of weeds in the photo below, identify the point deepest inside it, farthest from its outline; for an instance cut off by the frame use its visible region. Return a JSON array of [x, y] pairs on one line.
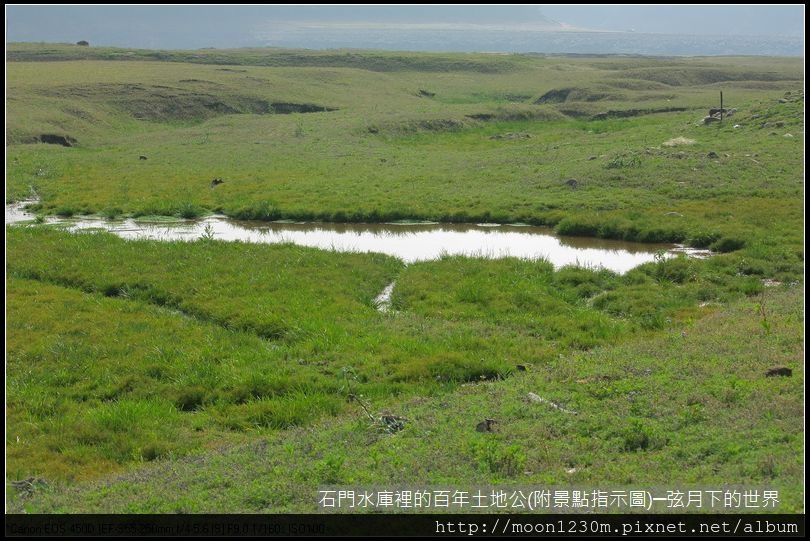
[[111, 213], [471, 293], [703, 239], [493, 457], [191, 399], [330, 469], [208, 233], [189, 210], [641, 435], [652, 321], [154, 451], [678, 270], [264, 210], [728, 244], [577, 227]]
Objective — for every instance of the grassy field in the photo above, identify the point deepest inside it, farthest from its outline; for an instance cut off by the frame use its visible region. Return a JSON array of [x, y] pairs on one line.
[[226, 377], [450, 139]]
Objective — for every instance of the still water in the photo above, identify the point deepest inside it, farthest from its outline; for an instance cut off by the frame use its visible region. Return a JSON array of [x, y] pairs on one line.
[[410, 242]]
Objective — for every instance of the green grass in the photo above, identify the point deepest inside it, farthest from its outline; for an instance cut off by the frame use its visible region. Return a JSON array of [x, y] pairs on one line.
[[388, 153], [123, 332], [225, 377], [674, 411]]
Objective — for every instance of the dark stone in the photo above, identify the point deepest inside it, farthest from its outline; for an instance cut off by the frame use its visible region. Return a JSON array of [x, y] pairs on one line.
[[142, 157], [83, 43], [426, 93], [572, 183], [521, 368], [713, 155], [779, 371], [485, 425], [216, 182]]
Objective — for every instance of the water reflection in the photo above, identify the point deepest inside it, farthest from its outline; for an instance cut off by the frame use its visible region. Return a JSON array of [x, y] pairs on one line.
[[409, 242]]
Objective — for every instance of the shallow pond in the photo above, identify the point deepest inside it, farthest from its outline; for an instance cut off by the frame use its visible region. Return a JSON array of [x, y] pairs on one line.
[[407, 241]]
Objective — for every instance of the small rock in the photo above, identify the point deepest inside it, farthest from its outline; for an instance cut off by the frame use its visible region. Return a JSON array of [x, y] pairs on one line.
[[773, 133], [782, 100], [779, 371], [521, 368], [591, 158], [779, 124], [712, 155], [572, 183], [142, 157], [788, 135], [485, 425], [738, 125], [571, 471], [216, 182], [710, 119]]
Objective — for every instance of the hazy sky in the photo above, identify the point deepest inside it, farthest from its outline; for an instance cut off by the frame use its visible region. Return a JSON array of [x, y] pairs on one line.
[[784, 20], [220, 26]]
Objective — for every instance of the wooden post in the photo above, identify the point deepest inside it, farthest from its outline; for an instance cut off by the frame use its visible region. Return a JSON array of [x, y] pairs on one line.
[[721, 107]]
